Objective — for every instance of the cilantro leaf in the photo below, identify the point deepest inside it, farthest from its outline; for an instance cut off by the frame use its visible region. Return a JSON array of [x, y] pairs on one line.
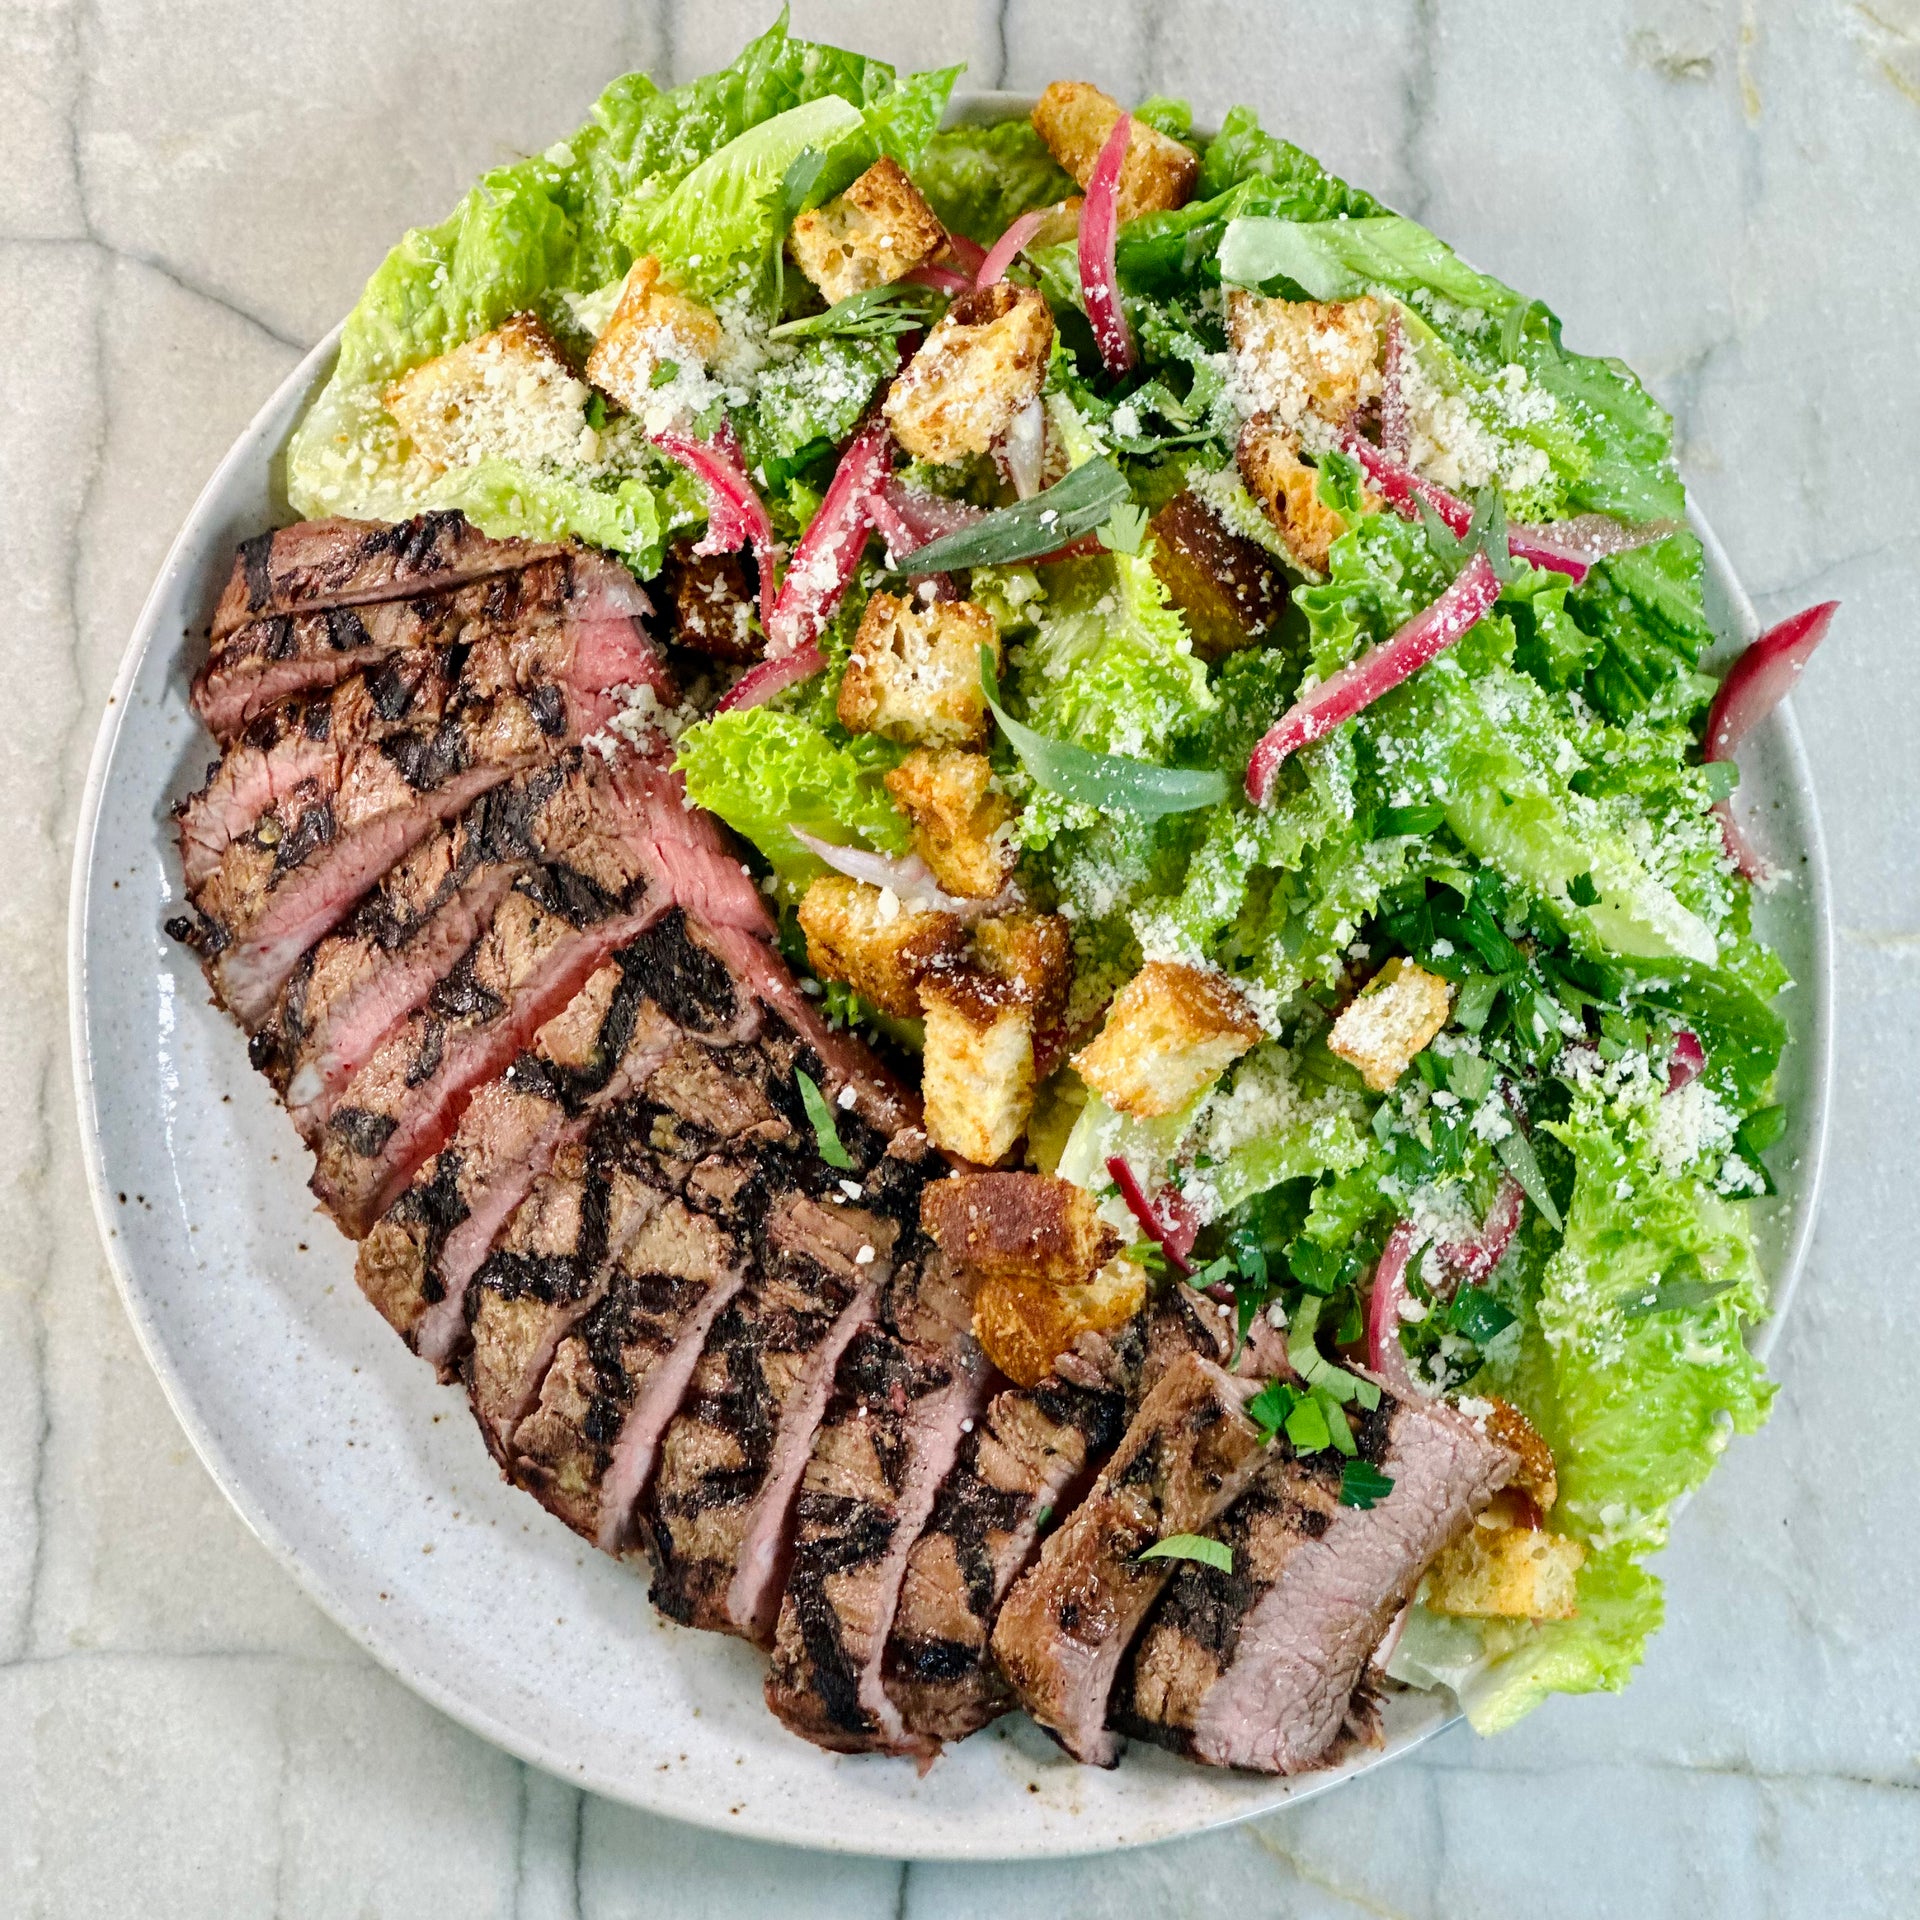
[[1478, 1315], [1124, 529]]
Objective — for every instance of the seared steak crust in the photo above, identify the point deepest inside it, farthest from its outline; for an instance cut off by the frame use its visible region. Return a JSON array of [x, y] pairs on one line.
[[346, 563], [1016, 1470], [1064, 1629]]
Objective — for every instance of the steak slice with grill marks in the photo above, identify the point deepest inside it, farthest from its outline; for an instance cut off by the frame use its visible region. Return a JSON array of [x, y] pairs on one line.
[[1258, 1668], [1020, 1465], [908, 1389], [603, 1047], [1065, 1627], [571, 617], [556, 927], [716, 1519], [351, 563], [351, 989]]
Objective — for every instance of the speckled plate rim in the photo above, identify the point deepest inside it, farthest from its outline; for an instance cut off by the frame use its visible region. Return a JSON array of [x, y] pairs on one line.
[[194, 567]]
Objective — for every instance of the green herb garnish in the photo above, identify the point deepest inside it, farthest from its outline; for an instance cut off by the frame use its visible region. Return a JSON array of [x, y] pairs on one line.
[[1109, 782], [1363, 1486], [1678, 1296], [664, 374], [1124, 530], [1192, 1546], [1085, 499], [1478, 1315], [881, 313], [826, 1135], [1517, 1156], [1582, 892]]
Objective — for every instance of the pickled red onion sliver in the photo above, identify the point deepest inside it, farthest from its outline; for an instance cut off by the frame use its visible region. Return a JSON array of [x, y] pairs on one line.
[[911, 879], [1385, 1355], [736, 515], [1167, 1220], [1687, 1060], [829, 551], [761, 683], [1099, 233], [1379, 670], [1004, 251]]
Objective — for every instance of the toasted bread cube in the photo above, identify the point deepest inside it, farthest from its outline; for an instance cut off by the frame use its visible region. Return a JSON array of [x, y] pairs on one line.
[[1171, 1031], [1026, 1324], [1074, 119], [914, 673], [1496, 1572], [957, 819], [1033, 952], [713, 603], [1228, 591], [651, 325], [983, 361], [977, 1072], [1397, 1012], [1027, 1225], [1537, 1477], [511, 392], [879, 229], [1288, 492], [869, 938], [1296, 357]]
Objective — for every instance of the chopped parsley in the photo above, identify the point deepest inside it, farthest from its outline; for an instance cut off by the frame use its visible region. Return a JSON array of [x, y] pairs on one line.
[[1363, 1485]]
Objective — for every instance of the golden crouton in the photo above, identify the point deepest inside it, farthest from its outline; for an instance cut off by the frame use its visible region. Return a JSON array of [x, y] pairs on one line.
[[977, 1072], [873, 941], [1028, 1225], [651, 325], [1058, 222], [879, 229], [1537, 1477], [984, 360], [1171, 1031], [914, 673], [1026, 1324], [1034, 953], [1295, 357], [1499, 1572], [957, 819], [1288, 492], [1229, 591], [511, 392], [1074, 119], [1397, 1012]]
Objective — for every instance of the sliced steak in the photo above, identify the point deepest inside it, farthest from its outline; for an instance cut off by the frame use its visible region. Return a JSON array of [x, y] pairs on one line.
[[352, 989], [355, 563], [603, 1047], [717, 1517], [572, 618], [556, 927], [1258, 1667], [1019, 1467], [1189, 1453], [909, 1391]]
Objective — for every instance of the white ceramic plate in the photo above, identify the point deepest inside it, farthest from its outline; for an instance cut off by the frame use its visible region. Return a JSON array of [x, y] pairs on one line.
[[369, 1482]]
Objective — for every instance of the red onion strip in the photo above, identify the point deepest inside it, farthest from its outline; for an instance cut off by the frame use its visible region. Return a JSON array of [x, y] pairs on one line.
[[947, 280], [1004, 251], [910, 878], [1379, 670], [759, 684], [1396, 431], [1476, 1256], [1687, 1061], [1756, 683], [736, 515], [1385, 1355], [969, 255], [830, 549], [891, 525], [1173, 1231], [1099, 233], [927, 516], [1025, 449]]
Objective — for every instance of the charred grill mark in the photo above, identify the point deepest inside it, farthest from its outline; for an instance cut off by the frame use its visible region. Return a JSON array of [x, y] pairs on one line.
[[345, 630], [570, 894], [548, 706], [312, 831], [460, 996], [838, 1534], [426, 1059], [365, 1133], [428, 760], [317, 721], [279, 637], [691, 986], [256, 557], [392, 689]]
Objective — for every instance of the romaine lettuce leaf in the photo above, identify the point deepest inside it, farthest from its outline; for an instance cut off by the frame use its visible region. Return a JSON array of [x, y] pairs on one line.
[[1301, 188], [979, 180], [505, 500], [763, 770]]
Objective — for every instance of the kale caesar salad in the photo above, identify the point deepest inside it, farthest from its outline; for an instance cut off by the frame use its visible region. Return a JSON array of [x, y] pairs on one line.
[[1206, 687]]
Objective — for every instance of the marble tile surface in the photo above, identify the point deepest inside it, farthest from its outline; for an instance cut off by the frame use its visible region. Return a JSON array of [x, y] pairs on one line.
[[1725, 192]]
